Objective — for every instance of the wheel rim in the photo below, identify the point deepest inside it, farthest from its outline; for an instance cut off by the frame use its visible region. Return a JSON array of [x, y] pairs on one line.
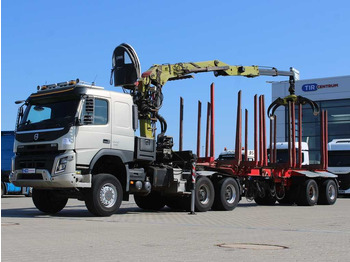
[[230, 194], [331, 192], [204, 194], [312, 193], [108, 195]]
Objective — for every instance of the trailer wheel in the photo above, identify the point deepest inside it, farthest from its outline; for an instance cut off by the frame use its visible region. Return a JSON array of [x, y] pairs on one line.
[[105, 196], [205, 194], [48, 201], [226, 194], [152, 201], [328, 193], [308, 195]]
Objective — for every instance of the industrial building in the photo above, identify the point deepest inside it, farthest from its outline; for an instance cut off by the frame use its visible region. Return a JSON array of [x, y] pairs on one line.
[[331, 94]]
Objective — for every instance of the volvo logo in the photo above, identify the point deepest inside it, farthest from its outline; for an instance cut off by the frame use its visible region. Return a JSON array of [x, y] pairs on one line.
[[36, 136]]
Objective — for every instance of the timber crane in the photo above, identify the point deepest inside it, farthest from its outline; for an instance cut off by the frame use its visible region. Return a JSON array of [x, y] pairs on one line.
[[146, 88]]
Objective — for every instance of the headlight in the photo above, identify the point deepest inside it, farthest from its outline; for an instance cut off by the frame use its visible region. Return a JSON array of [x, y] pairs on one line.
[[62, 164]]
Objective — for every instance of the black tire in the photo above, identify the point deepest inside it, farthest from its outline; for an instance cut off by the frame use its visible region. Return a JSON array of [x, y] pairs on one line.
[[48, 201], [205, 194], [3, 189], [153, 201], [267, 200], [308, 194], [105, 196], [227, 194], [328, 193]]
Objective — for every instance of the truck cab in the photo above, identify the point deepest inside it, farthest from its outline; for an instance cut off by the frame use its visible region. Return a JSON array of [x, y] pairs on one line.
[[339, 162], [282, 152], [65, 128], [230, 154]]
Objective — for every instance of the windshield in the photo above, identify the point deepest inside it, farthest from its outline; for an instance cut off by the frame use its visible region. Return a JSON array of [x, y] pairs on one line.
[[42, 115], [339, 158], [232, 156], [226, 157], [282, 156]]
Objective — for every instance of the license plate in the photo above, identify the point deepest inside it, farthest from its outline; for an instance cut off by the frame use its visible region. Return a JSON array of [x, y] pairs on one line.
[[28, 170]]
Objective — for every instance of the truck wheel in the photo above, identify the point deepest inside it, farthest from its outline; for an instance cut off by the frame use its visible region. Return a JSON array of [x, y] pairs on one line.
[[48, 201], [105, 196], [328, 193], [267, 200], [205, 194], [226, 194], [153, 201], [308, 195]]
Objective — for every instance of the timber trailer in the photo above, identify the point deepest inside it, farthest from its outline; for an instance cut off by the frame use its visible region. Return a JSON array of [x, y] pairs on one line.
[[77, 140], [265, 179]]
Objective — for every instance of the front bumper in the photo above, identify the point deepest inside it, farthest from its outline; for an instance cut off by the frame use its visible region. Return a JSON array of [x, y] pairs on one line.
[[43, 179]]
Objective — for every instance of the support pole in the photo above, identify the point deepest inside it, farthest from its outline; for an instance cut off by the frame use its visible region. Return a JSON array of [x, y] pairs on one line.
[[207, 131], [256, 130], [181, 123], [193, 190], [326, 138], [199, 128], [274, 139], [212, 121], [238, 144], [246, 136], [289, 135], [264, 131], [261, 163], [271, 137], [293, 137], [300, 126], [322, 140]]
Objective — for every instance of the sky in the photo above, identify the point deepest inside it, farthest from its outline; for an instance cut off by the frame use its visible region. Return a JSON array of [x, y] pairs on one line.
[[54, 41]]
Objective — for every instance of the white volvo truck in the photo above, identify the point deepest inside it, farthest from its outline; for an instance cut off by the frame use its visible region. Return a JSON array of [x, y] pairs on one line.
[[77, 140], [339, 162]]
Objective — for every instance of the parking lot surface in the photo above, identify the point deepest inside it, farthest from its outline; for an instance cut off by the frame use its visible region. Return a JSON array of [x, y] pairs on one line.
[[248, 233]]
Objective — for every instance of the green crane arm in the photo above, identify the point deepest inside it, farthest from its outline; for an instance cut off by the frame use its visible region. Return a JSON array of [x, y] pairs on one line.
[[158, 75], [146, 89], [150, 84]]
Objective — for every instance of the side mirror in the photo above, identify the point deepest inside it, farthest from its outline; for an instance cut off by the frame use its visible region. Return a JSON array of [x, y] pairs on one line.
[[20, 114]]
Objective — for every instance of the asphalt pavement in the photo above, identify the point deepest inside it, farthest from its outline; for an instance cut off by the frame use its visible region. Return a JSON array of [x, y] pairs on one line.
[[248, 233]]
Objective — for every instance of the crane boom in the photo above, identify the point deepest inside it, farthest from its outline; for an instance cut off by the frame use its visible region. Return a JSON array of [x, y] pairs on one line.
[[160, 74], [146, 88]]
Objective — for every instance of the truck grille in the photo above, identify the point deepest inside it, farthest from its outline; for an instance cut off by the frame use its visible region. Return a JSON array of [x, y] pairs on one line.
[[37, 149], [35, 161], [32, 163]]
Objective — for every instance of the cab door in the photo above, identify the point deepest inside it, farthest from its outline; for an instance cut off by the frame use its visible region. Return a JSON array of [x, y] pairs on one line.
[[94, 133], [123, 135]]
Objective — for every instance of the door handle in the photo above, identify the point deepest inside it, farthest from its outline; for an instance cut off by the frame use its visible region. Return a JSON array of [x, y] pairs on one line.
[[106, 141]]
